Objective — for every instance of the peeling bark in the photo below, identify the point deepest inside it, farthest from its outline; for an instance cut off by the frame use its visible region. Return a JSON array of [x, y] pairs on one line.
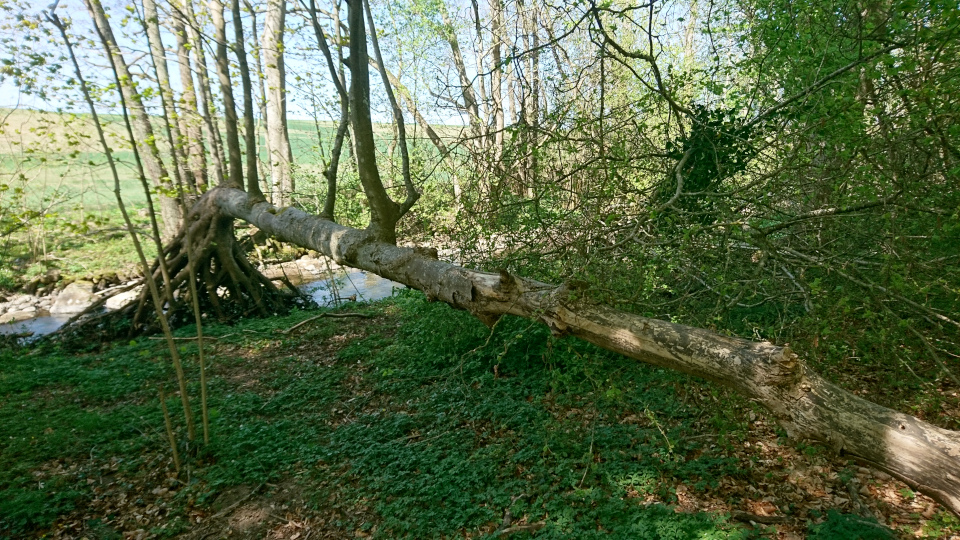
[[924, 456]]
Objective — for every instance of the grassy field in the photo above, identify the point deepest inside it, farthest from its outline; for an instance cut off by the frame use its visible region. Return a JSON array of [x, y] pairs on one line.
[[416, 423], [52, 164], [57, 155]]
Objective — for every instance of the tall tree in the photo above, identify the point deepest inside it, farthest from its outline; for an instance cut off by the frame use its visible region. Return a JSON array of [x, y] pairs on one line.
[[278, 137], [146, 140]]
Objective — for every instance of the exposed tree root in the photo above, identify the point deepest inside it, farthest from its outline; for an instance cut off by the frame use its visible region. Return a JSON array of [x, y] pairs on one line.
[[227, 285]]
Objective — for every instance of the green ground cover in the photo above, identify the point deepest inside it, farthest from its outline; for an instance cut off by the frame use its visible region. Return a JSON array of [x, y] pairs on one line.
[[417, 423]]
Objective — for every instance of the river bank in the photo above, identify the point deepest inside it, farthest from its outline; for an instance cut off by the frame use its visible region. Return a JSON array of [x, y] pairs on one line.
[[51, 306]]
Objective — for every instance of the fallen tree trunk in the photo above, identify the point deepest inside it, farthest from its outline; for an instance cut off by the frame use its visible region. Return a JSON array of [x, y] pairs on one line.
[[925, 457]]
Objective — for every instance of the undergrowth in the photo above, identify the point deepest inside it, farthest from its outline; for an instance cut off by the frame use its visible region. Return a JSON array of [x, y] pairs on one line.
[[419, 423]]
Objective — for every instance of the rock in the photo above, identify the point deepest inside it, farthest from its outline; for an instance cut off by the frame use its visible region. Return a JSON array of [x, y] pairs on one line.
[[75, 298], [15, 316], [31, 287], [118, 301], [52, 276]]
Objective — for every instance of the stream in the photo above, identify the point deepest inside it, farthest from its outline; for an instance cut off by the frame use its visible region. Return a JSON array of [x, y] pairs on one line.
[[355, 285]]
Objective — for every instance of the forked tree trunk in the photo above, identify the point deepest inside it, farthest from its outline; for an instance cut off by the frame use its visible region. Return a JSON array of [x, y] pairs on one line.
[[924, 456]]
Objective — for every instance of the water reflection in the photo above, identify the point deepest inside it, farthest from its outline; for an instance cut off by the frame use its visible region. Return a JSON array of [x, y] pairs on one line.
[[38, 325], [356, 286]]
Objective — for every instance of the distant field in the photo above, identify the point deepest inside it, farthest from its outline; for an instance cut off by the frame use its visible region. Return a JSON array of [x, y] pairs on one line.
[[57, 155]]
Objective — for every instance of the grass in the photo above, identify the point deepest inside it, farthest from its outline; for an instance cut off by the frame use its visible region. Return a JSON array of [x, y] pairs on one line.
[[418, 423], [55, 155], [80, 249]]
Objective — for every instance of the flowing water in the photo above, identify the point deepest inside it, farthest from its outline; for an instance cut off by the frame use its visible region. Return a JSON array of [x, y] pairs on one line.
[[353, 286], [38, 326]]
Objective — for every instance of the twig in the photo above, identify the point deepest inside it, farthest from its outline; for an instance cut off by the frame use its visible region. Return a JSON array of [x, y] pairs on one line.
[[763, 520], [935, 356], [334, 315], [192, 338], [529, 527], [858, 505]]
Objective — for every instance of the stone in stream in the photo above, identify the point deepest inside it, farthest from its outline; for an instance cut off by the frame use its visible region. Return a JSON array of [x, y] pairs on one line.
[[15, 316], [75, 298]]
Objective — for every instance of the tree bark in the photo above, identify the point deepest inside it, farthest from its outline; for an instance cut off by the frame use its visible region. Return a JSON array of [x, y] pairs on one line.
[[190, 118], [925, 457], [278, 140], [234, 177], [149, 152]]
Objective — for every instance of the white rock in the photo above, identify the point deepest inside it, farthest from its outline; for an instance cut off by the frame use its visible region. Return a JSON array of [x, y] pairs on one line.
[[15, 316], [118, 301], [75, 298]]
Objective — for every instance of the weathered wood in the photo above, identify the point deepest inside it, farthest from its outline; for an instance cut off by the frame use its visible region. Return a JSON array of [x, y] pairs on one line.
[[924, 456]]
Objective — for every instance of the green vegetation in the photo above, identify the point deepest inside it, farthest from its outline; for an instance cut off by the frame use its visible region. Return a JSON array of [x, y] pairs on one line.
[[775, 171], [418, 423]]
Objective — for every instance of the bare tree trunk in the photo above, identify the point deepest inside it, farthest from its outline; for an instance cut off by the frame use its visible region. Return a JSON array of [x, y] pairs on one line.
[[278, 140], [496, 8], [249, 125], [256, 53], [182, 174], [482, 75], [234, 176], [208, 108], [531, 102], [466, 86], [190, 118], [150, 153], [339, 81]]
